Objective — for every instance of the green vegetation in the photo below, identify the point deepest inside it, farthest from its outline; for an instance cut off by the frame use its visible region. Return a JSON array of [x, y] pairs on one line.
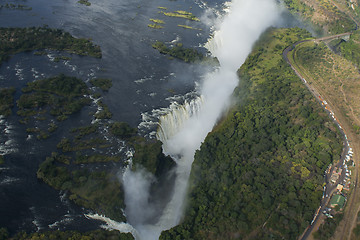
[[52, 127], [15, 7], [2, 161], [148, 154], [16, 40], [323, 14], [42, 135], [334, 76], [356, 128], [157, 21], [327, 229], [299, 7], [356, 230], [97, 158], [40, 53], [259, 174], [98, 190], [6, 101], [163, 8], [60, 95], [189, 27], [349, 49], [104, 83], [86, 130], [122, 130], [4, 234], [181, 14], [84, 138], [85, 2], [185, 54], [96, 95], [104, 113], [32, 130], [57, 59], [154, 25], [73, 235], [81, 144]]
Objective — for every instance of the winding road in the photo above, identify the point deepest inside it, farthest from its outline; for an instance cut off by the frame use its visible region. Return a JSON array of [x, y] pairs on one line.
[[347, 136]]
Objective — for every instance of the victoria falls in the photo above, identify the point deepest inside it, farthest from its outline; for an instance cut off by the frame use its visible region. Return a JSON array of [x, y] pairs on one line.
[[178, 119]]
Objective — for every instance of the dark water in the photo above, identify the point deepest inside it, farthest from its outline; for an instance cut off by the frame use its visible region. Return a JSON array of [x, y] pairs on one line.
[[142, 80]]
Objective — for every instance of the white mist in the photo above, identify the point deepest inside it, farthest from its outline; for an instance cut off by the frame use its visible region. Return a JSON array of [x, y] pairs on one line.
[[232, 42]]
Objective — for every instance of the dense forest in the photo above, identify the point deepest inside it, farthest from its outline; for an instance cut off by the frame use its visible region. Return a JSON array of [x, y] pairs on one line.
[[259, 174]]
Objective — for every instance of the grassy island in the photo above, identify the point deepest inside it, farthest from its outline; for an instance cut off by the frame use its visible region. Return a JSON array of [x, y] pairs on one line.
[[64, 58], [103, 83], [59, 96], [85, 2], [6, 101], [104, 112], [16, 40], [15, 7], [185, 54], [157, 21], [181, 14], [259, 174], [188, 27], [154, 25], [51, 99], [98, 190]]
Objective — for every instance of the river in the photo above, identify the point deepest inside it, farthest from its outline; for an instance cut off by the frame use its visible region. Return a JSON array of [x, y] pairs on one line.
[[143, 81]]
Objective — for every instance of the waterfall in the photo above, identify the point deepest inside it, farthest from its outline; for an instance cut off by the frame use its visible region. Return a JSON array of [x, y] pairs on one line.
[[178, 114], [213, 43], [185, 126]]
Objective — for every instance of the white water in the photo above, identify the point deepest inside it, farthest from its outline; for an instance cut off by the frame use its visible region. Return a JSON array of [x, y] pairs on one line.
[[177, 115], [185, 127]]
